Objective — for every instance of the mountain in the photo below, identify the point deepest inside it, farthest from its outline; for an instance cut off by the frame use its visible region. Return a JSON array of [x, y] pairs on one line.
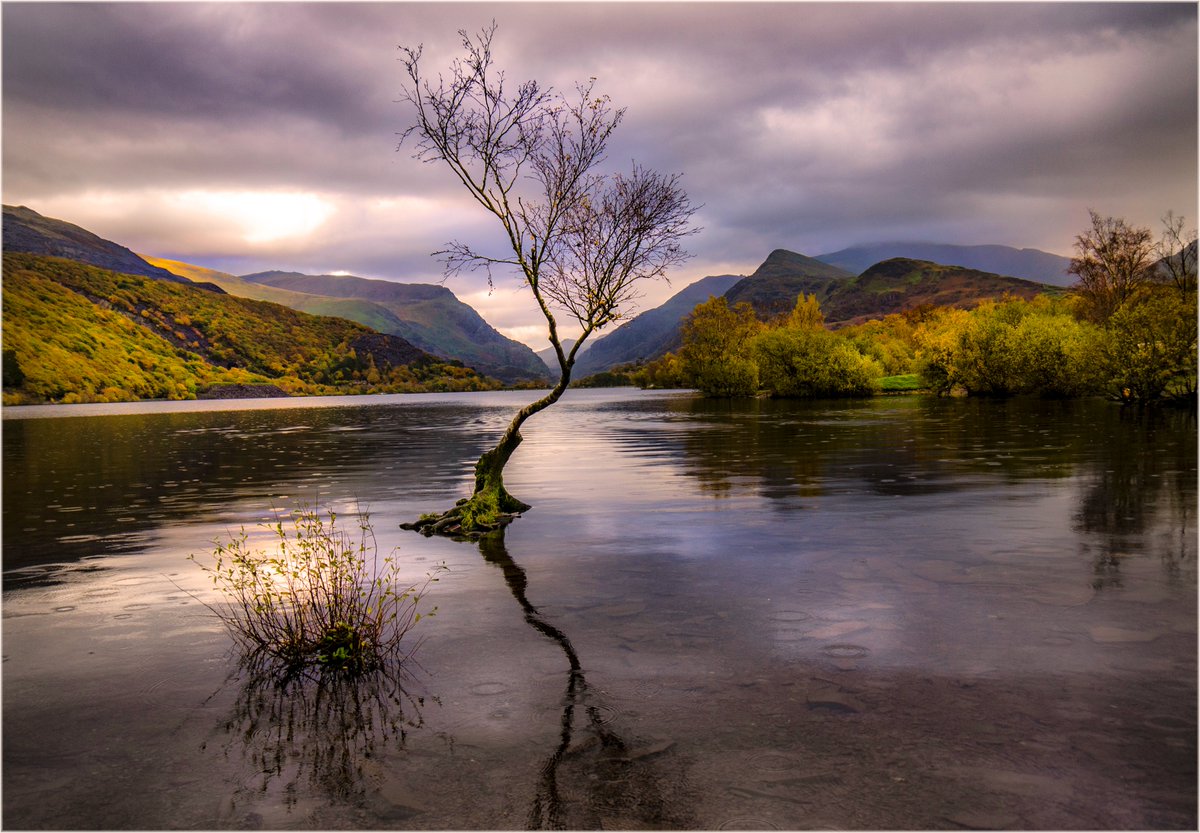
[[25, 230], [428, 315], [653, 332], [74, 332], [364, 312], [551, 360], [1030, 264], [901, 284], [773, 288], [891, 286]]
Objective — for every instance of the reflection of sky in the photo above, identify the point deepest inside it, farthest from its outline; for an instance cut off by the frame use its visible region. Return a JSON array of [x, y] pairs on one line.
[[675, 574], [894, 528]]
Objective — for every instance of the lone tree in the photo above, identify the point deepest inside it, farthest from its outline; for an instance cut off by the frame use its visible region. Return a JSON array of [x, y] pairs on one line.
[[580, 239]]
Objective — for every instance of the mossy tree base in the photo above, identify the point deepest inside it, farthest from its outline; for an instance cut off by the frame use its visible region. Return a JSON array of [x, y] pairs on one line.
[[490, 508], [463, 522]]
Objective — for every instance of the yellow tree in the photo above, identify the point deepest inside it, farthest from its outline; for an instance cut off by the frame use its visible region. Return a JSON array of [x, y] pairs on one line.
[[717, 344]]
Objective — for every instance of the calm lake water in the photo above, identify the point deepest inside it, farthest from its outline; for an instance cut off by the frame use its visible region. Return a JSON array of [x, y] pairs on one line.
[[892, 614]]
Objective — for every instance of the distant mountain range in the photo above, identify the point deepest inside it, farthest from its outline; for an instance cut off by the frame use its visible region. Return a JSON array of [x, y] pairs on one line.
[[551, 360], [74, 332], [652, 333], [428, 315], [852, 285], [893, 285], [1030, 264], [902, 283]]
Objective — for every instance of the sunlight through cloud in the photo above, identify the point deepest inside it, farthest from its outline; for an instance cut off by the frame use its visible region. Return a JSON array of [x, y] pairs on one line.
[[263, 217]]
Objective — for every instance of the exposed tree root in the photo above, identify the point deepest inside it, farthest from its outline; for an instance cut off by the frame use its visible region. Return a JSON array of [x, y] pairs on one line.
[[470, 519]]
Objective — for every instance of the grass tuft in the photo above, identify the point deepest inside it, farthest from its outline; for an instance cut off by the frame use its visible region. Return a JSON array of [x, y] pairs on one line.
[[904, 383], [319, 597]]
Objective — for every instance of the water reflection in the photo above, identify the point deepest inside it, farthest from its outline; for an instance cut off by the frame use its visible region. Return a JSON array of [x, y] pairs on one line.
[[102, 485], [786, 450], [1141, 478], [313, 732], [593, 778]]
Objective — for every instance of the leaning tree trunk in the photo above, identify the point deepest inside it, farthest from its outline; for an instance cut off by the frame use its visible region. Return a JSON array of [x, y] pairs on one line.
[[490, 507]]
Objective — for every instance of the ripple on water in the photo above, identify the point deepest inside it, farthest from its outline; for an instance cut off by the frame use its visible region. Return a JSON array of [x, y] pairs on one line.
[[1058, 641], [845, 651], [789, 635], [602, 713], [1171, 723], [747, 823], [489, 689], [159, 693], [790, 616], [773, 762], [620, 611], [648, 688], [133, 581]]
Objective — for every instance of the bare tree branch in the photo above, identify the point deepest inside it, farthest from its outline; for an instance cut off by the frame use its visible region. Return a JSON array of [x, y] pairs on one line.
[[1113, 263], [1177, 252], [580, 239]]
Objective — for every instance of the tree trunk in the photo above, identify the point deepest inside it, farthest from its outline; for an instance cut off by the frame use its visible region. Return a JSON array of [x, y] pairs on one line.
[[490, 507], [489, 471]]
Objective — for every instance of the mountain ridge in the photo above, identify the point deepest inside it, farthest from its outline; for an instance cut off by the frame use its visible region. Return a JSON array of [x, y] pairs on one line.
[[900, 284], [428, 315], [772, 289], [25, 230], [887, 287], [74, 332], [653, 332], [1026, 263]]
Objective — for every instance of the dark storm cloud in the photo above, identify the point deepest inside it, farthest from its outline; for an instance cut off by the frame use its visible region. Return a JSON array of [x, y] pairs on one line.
[[804, 125]]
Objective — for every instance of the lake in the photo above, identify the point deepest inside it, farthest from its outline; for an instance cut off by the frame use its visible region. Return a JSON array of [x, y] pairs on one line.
[[898, 613]]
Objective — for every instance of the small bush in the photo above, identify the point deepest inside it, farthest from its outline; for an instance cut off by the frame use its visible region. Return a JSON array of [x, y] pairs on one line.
[[319, 597], [799, 363]]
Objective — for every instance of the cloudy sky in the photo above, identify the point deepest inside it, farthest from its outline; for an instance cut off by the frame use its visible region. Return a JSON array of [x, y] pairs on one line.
[[252, 136]]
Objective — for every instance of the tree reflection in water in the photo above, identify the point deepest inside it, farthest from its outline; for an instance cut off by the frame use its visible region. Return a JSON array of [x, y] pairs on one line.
[[601, 780], [318, 728], [1143, 477]]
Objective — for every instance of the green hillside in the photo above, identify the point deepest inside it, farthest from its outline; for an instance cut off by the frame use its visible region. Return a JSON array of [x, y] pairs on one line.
[[367, 313], [783, 277], [891, 286], [428, 315], [902, 284], [78, 333]]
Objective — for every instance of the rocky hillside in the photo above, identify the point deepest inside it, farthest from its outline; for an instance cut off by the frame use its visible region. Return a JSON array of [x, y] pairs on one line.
[[73, 332], [901, 284], [25, 230], [428, 315], [773, 288]]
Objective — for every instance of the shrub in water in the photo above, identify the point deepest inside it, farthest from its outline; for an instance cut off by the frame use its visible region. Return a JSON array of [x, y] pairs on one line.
[[320, 596]]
